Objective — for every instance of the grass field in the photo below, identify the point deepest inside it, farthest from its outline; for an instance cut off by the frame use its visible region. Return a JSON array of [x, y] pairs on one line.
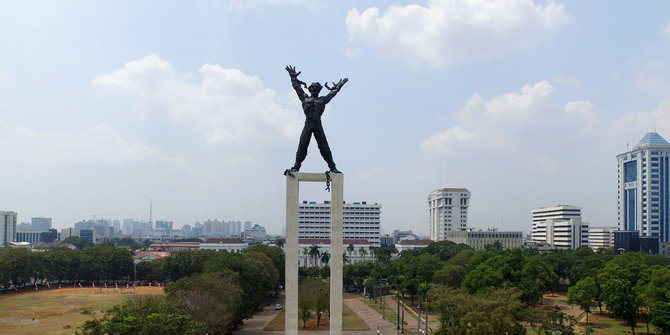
[[57, 311], [350, 321]]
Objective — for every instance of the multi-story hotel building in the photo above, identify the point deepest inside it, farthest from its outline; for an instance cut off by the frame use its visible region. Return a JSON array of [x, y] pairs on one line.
[[448, 211], [361, 221], [7, 228], [560, 226], [643, 194]]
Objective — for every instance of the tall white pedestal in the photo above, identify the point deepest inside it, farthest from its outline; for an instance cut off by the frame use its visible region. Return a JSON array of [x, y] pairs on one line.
[[292, 252]]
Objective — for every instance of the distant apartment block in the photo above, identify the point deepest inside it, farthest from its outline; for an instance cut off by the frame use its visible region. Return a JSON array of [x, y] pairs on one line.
[[40, 224], [601, 237], [643, 189], [560, 226], [256, 232], [361, 221], [136, 227], [216, 228], [88, 234], [448, 211], [479, 239], [7, 227]]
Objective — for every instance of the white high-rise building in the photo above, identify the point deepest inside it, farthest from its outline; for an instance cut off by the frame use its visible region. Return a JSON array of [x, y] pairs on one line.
[[361, 221], [643, 191], [448, 211], [7, 227], [560, 226]]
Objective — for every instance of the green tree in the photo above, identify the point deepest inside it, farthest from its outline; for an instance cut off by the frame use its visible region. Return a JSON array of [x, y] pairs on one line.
[[583, 293], [363, 252], [325, 257], [622, 301], [140, 315], [78, 242], [660, 316], [212, 300], [450, 275], [314, 254]]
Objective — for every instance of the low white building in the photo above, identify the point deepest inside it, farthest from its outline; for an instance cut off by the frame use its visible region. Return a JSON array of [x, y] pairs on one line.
[[412, 244], [479, 239], [601, 237], [232, 244], [560, 226]]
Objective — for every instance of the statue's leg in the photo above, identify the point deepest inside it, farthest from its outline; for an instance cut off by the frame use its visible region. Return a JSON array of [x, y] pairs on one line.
[[320, 137], [303, 143]]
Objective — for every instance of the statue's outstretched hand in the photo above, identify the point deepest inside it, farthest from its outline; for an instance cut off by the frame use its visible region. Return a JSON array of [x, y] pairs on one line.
[[341, 82], [292, 72]]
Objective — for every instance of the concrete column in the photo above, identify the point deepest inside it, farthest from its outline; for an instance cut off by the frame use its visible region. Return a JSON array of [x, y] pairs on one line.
[[291, 249], [336, 250], [292, 252]]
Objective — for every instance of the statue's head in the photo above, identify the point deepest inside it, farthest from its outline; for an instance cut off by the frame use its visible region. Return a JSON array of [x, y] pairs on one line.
[[315, 88]]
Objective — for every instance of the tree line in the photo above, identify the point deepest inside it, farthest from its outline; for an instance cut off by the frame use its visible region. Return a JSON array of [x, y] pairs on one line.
[[20, 267], [208, 292]]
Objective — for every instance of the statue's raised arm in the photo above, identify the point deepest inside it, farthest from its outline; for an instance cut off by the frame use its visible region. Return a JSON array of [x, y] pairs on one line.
[[295, 82], [336, 88]]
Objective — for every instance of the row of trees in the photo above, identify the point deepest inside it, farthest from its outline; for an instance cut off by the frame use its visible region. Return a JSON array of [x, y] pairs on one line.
[[209, 292], [20, 267], [630, 285]]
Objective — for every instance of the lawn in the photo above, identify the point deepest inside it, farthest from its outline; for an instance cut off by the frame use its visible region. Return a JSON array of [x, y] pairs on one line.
[[350, 321], [57, 311]]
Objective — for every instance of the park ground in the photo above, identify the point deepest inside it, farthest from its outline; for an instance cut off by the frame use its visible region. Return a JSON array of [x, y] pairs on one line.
[[58, 311]]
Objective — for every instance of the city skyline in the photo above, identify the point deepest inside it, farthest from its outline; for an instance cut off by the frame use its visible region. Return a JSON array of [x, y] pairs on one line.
[[104, 106]]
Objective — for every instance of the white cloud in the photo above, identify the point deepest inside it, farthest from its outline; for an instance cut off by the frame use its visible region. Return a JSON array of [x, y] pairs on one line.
[[101, 142], [581, 111], [642, 122], [545, 164], [509, 107], [445, 141], [653, 76], [492, 123], [233, 108], [448, 31], [569, 82], [3, 77]]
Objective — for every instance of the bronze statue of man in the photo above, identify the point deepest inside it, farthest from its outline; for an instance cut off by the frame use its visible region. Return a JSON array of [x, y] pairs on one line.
[[313, 106]]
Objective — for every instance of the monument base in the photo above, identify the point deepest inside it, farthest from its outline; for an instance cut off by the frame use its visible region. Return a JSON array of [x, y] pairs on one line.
[[292, 252]]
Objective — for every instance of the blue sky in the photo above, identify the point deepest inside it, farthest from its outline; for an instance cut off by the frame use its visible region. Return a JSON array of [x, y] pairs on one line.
[[105, 105]]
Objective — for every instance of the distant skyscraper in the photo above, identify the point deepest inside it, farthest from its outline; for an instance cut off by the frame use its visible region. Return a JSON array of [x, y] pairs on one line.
[[40, 224], [448, 211], [643, 194], [7, 227]]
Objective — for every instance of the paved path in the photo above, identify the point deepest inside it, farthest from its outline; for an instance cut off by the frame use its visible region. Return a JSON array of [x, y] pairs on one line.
[[371, 317]]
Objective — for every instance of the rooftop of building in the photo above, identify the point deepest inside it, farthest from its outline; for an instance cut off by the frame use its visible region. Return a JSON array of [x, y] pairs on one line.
[[449, 189], [416, 242], [652, 139], [319, 241], [225, 240]]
